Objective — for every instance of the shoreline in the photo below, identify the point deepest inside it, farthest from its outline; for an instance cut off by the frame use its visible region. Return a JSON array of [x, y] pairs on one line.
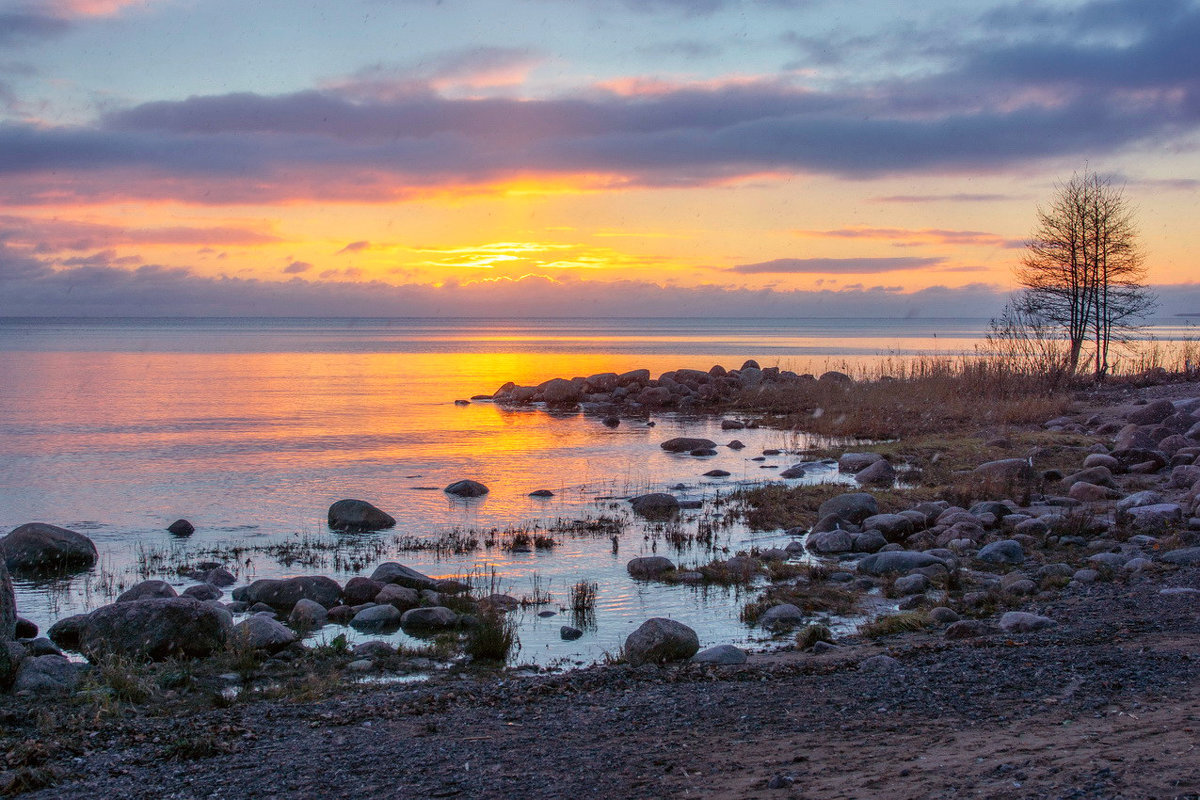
[[1070, 603]]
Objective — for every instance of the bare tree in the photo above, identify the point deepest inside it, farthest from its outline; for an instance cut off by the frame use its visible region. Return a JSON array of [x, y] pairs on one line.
[[1083, 270]]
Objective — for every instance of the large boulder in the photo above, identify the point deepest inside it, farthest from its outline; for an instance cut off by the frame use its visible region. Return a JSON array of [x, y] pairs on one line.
[[1186, 556], [853, 507], [65, 632], [829, 542], [655, 506], [857, 462], [781, 617], [1024, 622], [284, 593], [359, 590], [358, 515], [8, 606], [36, 546], [686, 444], [466, 488], [721, 655], [659, 640], [391, 572], [649, 567], [308, 615], [897, 561], [260, 632], [894, 527], [155, 629]]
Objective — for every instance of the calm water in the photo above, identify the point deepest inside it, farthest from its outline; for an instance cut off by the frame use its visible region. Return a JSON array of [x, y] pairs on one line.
[[251, 428]]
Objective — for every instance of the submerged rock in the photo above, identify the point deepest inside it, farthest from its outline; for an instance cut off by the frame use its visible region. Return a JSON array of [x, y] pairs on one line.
[[655, 506], [686, 444], [466, 488]]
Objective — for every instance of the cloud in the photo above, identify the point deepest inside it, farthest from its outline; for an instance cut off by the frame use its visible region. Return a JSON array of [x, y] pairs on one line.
[[22, 26], [393, 133], [296, 267], [353, 247], [52, 235], [836, 266], [960, 197], [917, 236]]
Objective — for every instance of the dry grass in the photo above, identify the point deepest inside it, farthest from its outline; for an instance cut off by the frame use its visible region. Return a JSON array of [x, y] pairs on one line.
[[904, 398], [811, 599], [904, 622]]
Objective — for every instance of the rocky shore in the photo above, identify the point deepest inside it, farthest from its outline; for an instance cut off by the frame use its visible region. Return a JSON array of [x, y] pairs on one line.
[[1061, 599]]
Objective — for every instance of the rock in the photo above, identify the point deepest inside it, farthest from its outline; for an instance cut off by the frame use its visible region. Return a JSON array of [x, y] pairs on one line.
[[48, 674], [1086, 492], [155, 629], [36, 546], [869, 542], [686, 444], [402, 597], [219, 576], [736, 444], [1086, 576], [1101, 460], [879, 664], [1183, 477], [781, 617], [794, 471], [341, 615], [659, 640], [203, 592], [1099, 476], [374, 650], [1158, 517], [649, 567], [1024, 622], [569, 634], [432, 618], [833, 376], [391, 572], [1110, 560], [65, 632], [377, 618], [358, 515], [308, 615], [501, 603], [732, 425], [722, 654], [262, 633], [560, 391], [41, 646], [829, 542], [1153, 413], [1005, 551], [8, 605], [146, 589], [1144, 498], [968, 629], [611, 422], [1187, 556], [181, 527], [466, 488], [717, 473], [1006, 469], [942, 615], [541, 493], [894, 527], [23, 629], [897, 561], [857, 462], [655, 506], [912, 584], [881, 473], [283, 594], [852, 507], [359, 590]]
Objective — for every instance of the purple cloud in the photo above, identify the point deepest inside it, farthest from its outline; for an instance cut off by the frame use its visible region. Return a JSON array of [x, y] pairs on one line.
[[835, 266], [296, 267]]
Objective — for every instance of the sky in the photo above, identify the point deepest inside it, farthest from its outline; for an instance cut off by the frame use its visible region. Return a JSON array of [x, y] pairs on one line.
[[563, 157]]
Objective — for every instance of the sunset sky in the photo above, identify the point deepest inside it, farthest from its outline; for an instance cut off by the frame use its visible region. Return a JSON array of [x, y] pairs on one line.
[[552, 157]]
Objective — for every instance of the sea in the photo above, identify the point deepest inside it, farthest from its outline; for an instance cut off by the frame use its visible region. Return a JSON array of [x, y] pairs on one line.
[[251, 428]]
